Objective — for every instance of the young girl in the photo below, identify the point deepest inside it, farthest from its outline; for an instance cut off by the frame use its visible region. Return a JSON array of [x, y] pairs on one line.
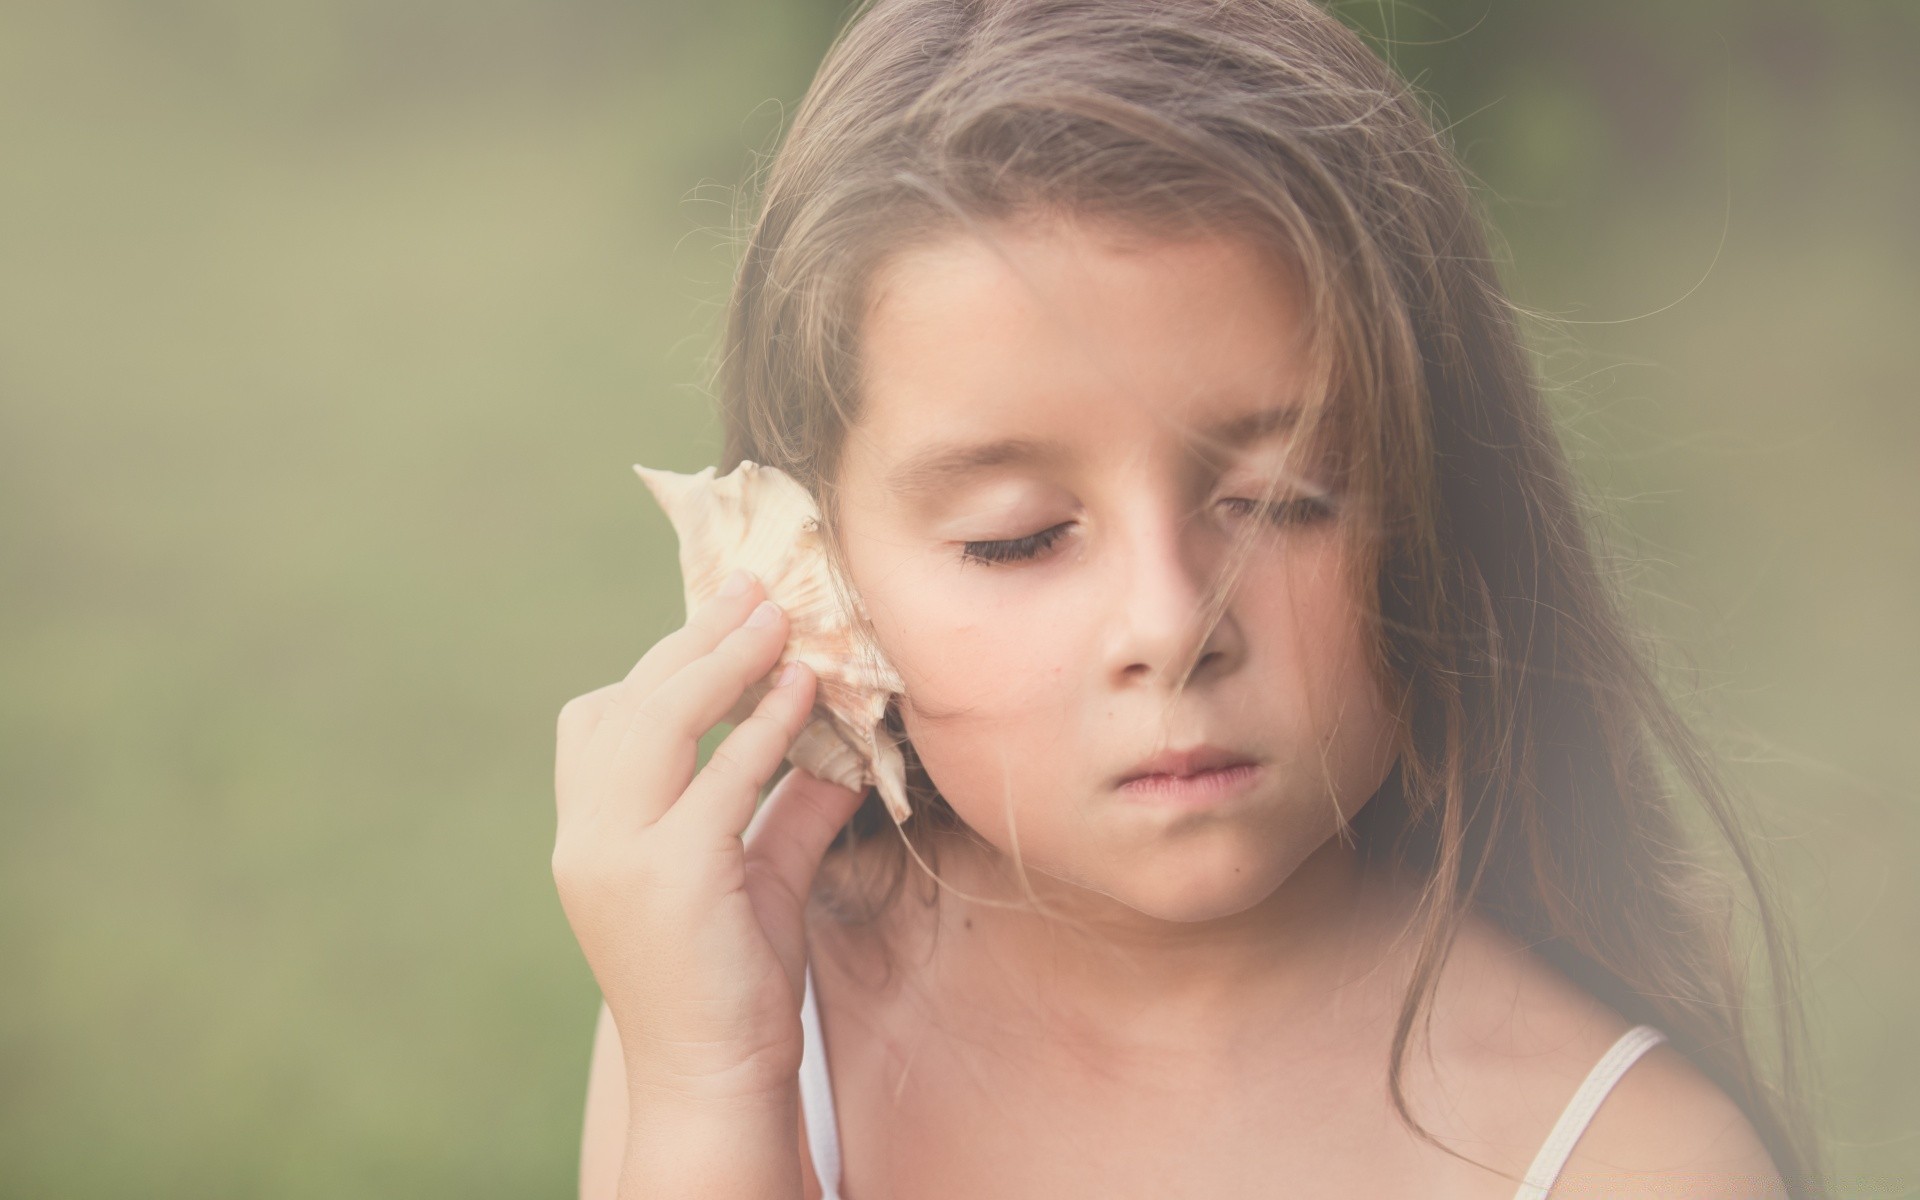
[[1293, 809]]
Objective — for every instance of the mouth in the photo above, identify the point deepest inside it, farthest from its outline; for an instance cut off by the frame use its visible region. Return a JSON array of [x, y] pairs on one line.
[[1195, 763]]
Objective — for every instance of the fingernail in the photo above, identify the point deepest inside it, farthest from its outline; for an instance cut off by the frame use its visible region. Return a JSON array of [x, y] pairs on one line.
[[763, 615], [737, 583], [788, 674]]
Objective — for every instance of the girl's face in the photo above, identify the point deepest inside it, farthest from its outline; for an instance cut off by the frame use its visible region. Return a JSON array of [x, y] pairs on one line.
[[1042, 670]]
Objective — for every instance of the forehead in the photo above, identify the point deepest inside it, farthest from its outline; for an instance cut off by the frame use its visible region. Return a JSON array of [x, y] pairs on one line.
[[1055, 336]]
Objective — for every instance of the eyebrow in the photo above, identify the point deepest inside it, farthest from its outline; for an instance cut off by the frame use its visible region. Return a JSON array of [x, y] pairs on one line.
[[936, 469]]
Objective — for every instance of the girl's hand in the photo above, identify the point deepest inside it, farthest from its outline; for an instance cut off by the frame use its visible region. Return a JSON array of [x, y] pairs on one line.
[[692, 923]]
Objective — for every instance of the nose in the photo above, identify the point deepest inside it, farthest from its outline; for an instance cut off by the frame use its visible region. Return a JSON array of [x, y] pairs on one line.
[[1168, 575]]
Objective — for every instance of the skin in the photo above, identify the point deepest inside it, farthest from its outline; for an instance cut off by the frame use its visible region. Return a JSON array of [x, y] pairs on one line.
[[1112, 998], [1033, 685], [1107, 986]]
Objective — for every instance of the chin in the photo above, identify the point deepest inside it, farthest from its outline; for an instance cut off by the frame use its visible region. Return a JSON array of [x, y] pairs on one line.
[[1206, 900], [1196, 886]]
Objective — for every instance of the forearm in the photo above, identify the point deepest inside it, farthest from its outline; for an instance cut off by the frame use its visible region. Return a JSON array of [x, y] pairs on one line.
[[738, 1150]]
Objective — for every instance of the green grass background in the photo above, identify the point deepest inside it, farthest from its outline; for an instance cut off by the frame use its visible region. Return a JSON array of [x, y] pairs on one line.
[[328, 331]]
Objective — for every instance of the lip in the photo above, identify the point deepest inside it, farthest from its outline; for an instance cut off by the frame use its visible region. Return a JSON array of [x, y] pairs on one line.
[[1194, 762], [1203, 788]]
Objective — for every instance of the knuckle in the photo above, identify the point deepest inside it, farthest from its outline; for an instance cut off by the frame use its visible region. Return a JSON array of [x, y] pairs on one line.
[[762, 723], [584, 709], [659, 714], [573, 854], [571, 869], [776, 719], [728, 764]]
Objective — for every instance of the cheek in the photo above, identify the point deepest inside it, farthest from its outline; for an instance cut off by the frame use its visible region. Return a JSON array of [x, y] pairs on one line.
[[1341, 703], [989, 694], [960, 657], [983, 701]]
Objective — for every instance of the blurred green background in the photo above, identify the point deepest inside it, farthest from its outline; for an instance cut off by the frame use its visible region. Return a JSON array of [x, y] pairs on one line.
[[329, 330]]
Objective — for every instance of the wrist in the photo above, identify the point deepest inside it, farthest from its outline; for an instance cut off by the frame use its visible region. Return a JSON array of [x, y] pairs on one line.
[[744, 1147]]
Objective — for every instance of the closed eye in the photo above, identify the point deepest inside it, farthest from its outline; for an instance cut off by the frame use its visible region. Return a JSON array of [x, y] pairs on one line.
[[1013, 549], [1298, 510]]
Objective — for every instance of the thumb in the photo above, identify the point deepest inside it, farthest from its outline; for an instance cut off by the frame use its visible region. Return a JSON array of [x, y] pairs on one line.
[[795, 825]]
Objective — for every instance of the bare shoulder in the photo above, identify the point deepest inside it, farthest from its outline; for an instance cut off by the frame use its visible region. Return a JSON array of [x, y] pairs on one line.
[[1668, 1130], [1523, 1038]]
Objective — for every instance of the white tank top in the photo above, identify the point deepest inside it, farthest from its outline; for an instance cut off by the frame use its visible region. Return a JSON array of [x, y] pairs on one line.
[[823, 1133]]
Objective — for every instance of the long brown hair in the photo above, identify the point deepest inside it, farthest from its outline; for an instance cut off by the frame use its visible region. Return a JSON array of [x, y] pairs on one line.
[[1530, 785]]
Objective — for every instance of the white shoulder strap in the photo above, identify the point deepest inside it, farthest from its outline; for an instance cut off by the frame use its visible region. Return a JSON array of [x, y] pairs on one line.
[[1579, 1111], [816, 1097]]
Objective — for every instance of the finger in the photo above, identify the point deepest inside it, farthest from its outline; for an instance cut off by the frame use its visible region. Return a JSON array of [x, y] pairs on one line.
[[720, 800], [705, 626], [799, 820], [578, 719], [658, 748]]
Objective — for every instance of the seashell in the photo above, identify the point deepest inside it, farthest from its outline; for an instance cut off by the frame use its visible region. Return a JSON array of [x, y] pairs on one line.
[[760, 518]]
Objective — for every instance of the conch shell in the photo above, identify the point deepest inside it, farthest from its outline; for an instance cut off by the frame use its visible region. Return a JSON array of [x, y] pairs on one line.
[[761, 519]]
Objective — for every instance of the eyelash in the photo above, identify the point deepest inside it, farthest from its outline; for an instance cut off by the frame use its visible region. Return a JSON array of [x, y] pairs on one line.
[[1309, 509]]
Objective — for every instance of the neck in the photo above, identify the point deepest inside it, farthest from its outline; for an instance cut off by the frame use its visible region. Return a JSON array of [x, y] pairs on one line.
[[1004, 956]]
